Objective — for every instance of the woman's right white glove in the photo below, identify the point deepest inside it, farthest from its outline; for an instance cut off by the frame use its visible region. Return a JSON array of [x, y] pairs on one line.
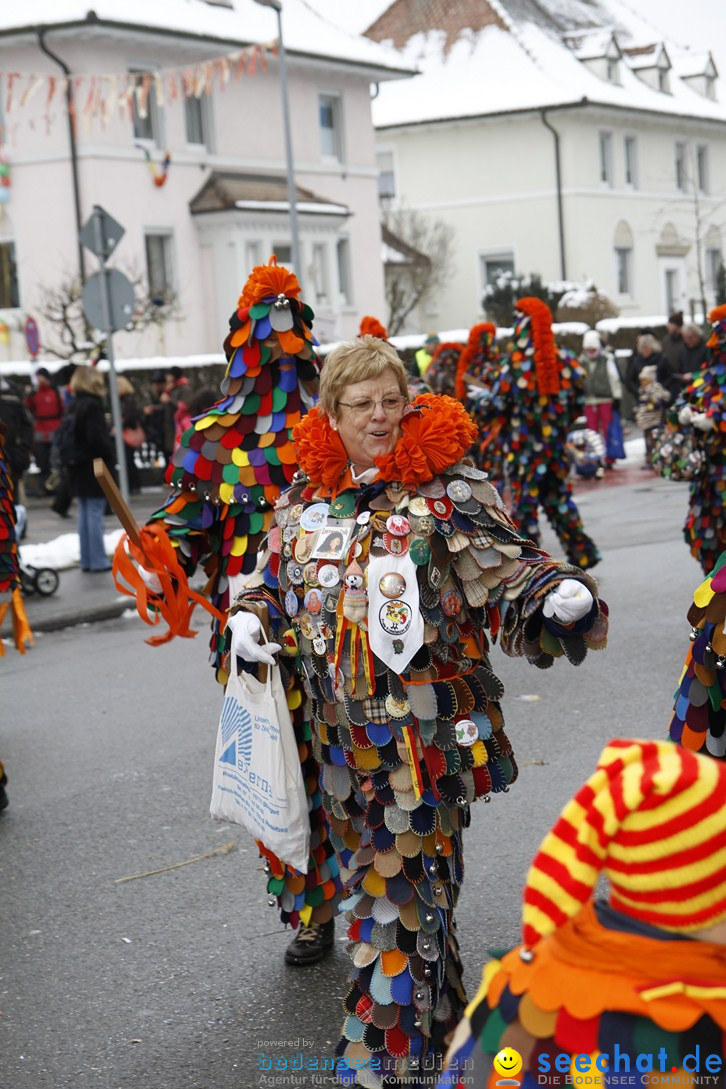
[[685, 415], [246, 630]]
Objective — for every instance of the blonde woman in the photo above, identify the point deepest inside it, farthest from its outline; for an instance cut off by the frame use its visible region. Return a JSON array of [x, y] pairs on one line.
[[92, 440]]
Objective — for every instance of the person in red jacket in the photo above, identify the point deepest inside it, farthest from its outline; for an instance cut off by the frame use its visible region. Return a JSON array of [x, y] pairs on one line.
[[45, 405]]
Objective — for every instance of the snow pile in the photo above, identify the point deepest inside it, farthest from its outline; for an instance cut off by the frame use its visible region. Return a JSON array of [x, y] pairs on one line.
[[64, 551]]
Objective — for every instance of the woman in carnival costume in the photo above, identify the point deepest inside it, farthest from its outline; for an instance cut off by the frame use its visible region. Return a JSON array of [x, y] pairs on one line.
[[227, 473], [536, 395], [10, 593], [403, 702], [478, 364], [629, 990], [701, 406]]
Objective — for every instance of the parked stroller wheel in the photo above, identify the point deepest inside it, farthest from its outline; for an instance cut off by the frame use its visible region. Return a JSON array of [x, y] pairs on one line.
[[46, 581], [27, 581]]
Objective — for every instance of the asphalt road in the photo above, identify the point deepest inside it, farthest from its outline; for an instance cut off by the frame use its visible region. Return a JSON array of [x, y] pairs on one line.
[[176, 980]]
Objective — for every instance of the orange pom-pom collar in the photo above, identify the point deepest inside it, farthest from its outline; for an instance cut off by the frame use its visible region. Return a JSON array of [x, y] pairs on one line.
[[435, 433], [545, 351]]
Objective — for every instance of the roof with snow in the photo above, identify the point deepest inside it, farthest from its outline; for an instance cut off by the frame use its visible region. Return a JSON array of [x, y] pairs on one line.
[[487, 57], [228, 22], [258, 193]]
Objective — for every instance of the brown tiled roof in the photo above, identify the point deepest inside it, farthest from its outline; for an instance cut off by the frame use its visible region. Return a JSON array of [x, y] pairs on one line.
[[404, 18], [221, 191]]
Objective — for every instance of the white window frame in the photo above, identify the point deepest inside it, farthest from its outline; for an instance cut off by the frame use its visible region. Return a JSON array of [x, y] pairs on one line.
[[12, 306], [204, 102], [680, 165], [155, 112], [664, 82], [702, 169], [253, 256], [630, 161], [714, 260], [628, 265], [612, 70], [282, 248], [321, 273], [344, 271], [380, 151], [605, 157], [506, 254], [335, 100], [169, 257]]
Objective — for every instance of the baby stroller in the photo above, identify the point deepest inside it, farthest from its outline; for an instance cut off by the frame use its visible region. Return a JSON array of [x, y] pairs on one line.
[[33, 580]]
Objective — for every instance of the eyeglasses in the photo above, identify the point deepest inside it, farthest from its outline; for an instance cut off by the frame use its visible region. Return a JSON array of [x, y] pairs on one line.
[[392, 406]]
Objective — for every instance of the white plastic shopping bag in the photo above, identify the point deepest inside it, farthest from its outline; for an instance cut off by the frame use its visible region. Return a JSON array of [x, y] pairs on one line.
[[258, 779]]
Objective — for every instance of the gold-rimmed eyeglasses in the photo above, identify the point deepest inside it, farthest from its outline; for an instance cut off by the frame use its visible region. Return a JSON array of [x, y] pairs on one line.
[[392, 406]]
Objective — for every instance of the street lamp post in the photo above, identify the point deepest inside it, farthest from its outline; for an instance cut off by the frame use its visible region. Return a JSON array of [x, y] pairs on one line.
[[291, 195]]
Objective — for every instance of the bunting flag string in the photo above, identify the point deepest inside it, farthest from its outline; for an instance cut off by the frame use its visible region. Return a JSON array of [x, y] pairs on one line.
[[98, 95]]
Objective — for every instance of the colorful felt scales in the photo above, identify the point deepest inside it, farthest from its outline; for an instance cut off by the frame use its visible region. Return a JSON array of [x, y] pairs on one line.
[[536, 395], [705, 527], [404, 751], [10, 593], [441, 374], [699, 712]]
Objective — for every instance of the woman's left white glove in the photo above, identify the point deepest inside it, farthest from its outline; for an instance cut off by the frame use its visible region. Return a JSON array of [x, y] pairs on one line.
[[569, 602], [246, 630]]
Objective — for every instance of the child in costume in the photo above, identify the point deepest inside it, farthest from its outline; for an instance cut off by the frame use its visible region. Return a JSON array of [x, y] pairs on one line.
[[701, 406], [227, 473], [631, 986], [586, 451], [652, 400], [537, 394]]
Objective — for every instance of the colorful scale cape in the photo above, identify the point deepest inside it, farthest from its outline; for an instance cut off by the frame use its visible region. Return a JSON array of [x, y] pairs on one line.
[[699, 712], [441, 374], [705, 526], [587, 990], [10, 593], [396, 782], [477, 367]]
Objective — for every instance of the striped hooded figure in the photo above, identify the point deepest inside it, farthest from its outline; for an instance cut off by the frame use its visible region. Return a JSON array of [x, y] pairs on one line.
[[642, 974]]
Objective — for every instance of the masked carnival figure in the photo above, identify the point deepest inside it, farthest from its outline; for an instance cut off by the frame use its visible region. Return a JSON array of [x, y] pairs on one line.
[[478, 364]]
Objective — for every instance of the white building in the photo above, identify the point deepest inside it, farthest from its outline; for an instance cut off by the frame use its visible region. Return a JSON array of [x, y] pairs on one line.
[[186, 77], [564, 139]]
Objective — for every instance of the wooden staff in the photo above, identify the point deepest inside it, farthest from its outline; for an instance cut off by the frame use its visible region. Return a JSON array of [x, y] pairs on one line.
[[116, 501]]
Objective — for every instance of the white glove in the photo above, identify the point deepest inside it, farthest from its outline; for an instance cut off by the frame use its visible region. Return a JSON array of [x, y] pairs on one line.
[[150, 580], [702, 421], [569, 602], [246, 630], [685, 415]]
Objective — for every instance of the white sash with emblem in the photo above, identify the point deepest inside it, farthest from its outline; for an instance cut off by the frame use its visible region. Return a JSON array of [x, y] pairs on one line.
[[395, 624]]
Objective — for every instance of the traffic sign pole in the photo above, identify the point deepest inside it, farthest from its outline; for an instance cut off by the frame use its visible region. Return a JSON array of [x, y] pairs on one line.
[[101, 249]]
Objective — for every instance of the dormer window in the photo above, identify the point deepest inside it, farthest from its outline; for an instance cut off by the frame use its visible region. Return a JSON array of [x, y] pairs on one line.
[[710, 86], [663, 81], [613, 70]]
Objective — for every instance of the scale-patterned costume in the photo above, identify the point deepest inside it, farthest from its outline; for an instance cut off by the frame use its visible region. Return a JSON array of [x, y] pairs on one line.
[[477, 367], [705, 526], [616, 982], [442, 371], [402, 698], [10, 593], [699, 712], [227, 473], [536, 396]]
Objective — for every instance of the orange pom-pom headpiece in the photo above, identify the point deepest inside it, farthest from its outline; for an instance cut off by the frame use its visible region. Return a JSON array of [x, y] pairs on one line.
[[478, 350], [370, 326], [717, 317], [266, 280], [545, 351]]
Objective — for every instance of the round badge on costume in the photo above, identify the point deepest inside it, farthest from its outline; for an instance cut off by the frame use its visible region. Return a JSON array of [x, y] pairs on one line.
[[442, 508], [310, 573], [392, 584], [398, 525], [296, 513], [328, 576], [418, 507], [451, 603], [395, 617], [466, 732], [397, 546], [291, 603], [458, 491], [397, 708], [420, 552], [295, 573], [314, 517], [313, 602], [319, 645], [363, 518], [303, 547]]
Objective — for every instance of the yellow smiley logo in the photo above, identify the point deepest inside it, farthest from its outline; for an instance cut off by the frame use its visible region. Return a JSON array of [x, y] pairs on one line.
[[508, 1062]]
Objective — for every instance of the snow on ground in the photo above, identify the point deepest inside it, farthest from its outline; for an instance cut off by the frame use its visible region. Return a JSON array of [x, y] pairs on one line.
[[64, 551]]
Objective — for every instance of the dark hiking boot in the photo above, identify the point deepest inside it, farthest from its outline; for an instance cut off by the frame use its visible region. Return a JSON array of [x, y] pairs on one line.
[[311, 943]]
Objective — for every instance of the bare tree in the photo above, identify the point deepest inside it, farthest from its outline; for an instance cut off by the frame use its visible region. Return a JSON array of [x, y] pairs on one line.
[[69, 335], [421, 253]]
